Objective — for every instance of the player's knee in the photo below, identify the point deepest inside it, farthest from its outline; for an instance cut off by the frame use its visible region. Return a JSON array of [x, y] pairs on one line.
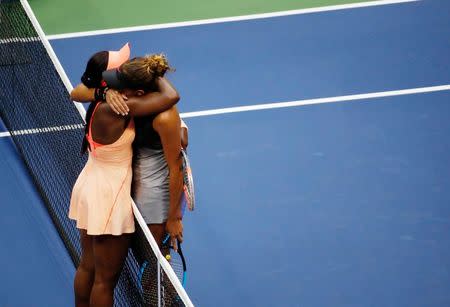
[[107, 277], [86, 266], [85, 271], [104, 283], [83, 283]]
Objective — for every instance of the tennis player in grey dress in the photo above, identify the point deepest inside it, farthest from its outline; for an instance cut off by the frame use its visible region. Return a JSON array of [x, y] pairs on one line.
[[151, 172], [150, 189], [157, 179]]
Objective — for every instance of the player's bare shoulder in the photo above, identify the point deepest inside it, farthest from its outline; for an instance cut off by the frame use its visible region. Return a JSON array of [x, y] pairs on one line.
[[166, 119]]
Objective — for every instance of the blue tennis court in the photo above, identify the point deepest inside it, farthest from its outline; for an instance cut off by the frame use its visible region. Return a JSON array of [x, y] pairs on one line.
[[344, 203]]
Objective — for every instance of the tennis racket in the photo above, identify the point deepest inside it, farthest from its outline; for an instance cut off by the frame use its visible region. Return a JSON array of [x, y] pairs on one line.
[[176, 259], [148, 277], [188, 182]]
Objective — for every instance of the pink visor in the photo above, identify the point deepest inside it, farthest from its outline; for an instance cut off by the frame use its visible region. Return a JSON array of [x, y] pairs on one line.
[[117, 58]]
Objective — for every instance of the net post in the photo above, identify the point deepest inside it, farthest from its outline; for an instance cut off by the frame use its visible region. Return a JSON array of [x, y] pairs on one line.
[[52, 55]]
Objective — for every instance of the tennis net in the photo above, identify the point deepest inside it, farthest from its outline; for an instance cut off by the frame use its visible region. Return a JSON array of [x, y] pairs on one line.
[[47, 129]]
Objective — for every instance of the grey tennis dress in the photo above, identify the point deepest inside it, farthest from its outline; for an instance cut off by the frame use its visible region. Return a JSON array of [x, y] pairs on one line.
[[150, 189]]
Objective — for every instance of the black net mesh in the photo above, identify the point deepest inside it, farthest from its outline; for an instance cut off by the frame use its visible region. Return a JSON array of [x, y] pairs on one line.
[[47, 131], [34, 97]]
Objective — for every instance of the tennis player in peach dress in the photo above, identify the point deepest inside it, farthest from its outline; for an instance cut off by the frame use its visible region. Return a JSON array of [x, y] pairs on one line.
[[101, 202]]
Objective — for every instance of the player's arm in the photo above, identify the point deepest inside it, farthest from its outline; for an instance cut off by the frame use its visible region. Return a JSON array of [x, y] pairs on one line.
[[150, 103], [155, 102], [81, 93], [167, 125]]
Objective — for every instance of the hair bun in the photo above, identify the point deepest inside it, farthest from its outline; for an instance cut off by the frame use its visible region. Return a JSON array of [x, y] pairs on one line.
[[157, 64], [142, 72]]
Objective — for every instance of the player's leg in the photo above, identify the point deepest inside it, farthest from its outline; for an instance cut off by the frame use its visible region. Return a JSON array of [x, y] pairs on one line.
[[158, 231], [110, 253], [84, 277]]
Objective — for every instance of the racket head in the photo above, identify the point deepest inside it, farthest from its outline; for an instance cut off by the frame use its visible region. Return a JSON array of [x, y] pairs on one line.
[[188, 181]]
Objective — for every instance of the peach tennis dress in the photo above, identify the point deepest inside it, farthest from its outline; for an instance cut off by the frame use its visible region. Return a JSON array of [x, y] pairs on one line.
[[101, 199]]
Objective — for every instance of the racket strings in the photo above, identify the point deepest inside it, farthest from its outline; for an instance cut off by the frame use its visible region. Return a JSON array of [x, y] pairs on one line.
[[188, 181]]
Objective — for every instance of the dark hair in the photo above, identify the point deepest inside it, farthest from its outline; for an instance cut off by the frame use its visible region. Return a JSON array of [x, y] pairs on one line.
[[92, 78], [142, 72], [97, 64]]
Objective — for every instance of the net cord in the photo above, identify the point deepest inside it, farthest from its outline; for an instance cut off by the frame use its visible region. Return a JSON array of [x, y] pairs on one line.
[[161, 260], [52, 55]]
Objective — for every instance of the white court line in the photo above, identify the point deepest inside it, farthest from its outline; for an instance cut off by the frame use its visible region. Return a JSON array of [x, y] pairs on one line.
[[276, 105], [304, 102], [4, 134], [229, 19]]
